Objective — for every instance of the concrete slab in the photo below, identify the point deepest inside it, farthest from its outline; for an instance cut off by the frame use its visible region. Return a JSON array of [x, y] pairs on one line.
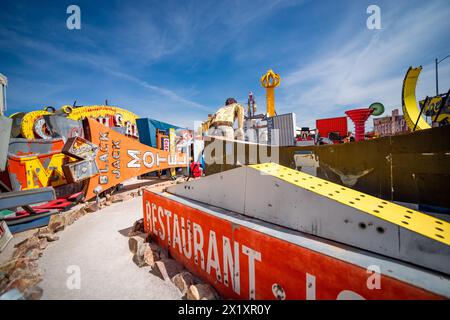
[[97, 244]]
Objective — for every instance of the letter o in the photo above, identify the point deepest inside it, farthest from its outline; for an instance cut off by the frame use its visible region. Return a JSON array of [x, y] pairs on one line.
[[144, 159]]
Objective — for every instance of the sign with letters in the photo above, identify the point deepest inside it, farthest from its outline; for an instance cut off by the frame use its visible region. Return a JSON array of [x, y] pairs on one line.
[[238, 258], [120, 157]]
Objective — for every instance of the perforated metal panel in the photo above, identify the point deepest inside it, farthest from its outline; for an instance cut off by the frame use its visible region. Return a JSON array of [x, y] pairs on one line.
[[296, 200], [416, 221]]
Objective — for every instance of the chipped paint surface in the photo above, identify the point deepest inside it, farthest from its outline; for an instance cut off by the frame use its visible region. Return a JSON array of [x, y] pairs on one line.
[[36, 163], [120, 158], [21, 146], [246, 262], [36, 171]]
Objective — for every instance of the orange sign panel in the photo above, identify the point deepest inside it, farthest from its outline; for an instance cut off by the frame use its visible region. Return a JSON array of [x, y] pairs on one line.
[[120, 158], [32, 170], [245, 261]]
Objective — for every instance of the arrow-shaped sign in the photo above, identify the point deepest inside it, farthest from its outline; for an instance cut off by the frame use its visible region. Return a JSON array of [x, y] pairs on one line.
[[120, 158]]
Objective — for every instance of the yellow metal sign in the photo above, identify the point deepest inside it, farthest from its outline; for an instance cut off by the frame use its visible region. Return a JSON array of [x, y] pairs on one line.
[[33, 124], [411, 111], [270, 81], [413, 220]]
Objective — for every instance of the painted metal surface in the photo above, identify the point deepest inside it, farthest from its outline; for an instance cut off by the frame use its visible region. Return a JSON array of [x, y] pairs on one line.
[[435, 104], [34, 124], [411, 111], [245, 258], [17, 120], [5, 235], [172, 147], [63, 127], [23, 147], [413, 220], [36, 170], [80, 148], [270, 81], [359, 118], [60, 204], [3, 85], [81, 170], [412, 167], [281, 130], [37, 221], [121, 157], [148, 128], [304, 203], [106, 115], [20, 198], [337, 124], [5, 133]]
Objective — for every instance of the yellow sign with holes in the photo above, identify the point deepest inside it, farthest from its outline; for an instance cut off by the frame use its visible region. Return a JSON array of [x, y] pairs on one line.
[[413, 220]]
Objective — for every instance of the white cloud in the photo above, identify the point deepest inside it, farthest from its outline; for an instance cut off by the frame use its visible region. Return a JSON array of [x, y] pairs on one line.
[[369, 66]]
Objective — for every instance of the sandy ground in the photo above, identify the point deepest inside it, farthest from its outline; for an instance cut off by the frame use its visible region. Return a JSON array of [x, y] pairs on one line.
[[97, 246]]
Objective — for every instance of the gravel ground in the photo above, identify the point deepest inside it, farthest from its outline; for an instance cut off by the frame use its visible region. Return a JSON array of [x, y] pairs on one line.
[[97, 246]]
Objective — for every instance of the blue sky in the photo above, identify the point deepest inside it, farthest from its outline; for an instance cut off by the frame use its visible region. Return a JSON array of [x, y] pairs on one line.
[[177, 61]]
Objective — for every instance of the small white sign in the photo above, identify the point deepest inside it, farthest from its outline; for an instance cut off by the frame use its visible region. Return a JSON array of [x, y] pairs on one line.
[[5, 235]]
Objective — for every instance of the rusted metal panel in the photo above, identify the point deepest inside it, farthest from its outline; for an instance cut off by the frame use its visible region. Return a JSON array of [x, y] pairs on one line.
[[80, 170], [244, 258], [36, 170], [63, 127], [80, 148], [22, 147], [17, 122], [21, 198]]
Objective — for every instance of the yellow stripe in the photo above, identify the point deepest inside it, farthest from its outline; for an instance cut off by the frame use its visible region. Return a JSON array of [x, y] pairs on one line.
[[416, 221]]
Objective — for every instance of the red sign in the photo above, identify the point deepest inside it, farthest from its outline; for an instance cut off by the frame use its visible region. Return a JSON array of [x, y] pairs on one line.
[[246, 263], [326, 126], [166, 144]]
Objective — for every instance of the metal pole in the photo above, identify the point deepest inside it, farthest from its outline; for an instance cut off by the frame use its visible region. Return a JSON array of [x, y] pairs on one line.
[[3, 85], [437, 78]]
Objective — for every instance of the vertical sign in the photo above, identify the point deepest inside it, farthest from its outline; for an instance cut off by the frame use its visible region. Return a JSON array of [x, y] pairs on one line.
[[172, 148], [198, 141], [165, 144]]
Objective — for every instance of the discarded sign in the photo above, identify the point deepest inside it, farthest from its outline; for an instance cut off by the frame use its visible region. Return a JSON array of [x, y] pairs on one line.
[[5, 132], [33, 124], [236, 255], [80, 170], [121, 157], [63, 127], [5, 235], [80, 148], [23, 198], [36, 171]]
